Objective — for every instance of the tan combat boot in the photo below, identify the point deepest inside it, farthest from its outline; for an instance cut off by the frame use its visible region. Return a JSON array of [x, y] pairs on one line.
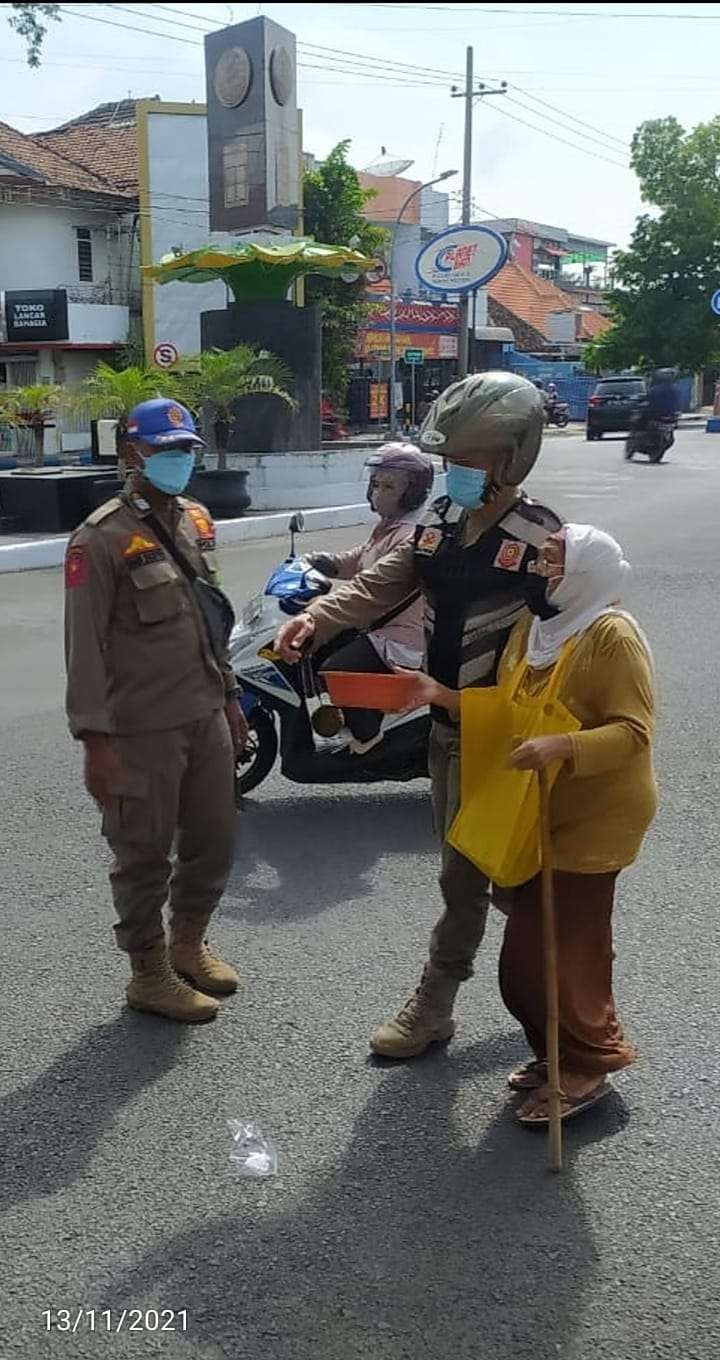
[[156, 987], [425, 1019], [191, 957]]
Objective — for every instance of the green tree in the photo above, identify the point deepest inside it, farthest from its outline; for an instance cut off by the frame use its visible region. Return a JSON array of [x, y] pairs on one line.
[[217, 378], [27, 20], [333, 211], [660, 307]]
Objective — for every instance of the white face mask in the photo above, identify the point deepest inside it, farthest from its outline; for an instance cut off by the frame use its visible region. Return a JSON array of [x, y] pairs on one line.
[[386, 492]]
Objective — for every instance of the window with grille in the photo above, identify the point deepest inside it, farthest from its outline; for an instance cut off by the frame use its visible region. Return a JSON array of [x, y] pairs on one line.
[[84, 253]]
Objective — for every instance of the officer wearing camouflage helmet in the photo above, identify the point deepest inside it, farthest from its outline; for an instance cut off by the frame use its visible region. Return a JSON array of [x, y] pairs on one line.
[[473, 557], [152, 696]]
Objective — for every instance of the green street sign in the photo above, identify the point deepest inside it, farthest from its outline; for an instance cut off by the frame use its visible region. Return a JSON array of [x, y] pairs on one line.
[[414, 356]]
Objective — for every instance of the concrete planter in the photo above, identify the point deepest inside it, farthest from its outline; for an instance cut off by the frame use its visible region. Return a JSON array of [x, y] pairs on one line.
[[224, 493]]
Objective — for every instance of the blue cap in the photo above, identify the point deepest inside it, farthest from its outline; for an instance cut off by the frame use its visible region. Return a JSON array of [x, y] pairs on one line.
[[160, 422]]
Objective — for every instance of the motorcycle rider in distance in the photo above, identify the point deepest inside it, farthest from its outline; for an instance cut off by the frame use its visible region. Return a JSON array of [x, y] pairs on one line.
[[662, 398], [473, 557], [401, 479], [654, 416]]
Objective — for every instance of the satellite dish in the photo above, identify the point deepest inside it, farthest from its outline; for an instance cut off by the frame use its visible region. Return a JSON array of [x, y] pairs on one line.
[[386, 164]]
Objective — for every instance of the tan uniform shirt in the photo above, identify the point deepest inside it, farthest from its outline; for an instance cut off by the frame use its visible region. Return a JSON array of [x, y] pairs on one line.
[[137, 652]]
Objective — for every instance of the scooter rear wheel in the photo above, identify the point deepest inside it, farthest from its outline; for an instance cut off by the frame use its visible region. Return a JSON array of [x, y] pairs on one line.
[[260, 753]]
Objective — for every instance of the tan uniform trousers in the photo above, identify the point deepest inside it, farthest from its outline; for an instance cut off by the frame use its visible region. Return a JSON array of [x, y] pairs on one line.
[[458, 933], [176, 786]]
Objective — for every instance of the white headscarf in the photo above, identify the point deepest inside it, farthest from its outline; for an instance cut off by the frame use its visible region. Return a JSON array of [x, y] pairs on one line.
[[593, 582]]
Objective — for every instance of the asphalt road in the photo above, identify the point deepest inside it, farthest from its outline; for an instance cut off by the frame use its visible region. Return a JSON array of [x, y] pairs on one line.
[[410, 1217]]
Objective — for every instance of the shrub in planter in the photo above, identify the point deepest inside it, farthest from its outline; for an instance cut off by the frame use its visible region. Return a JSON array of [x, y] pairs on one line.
[[218, 385]]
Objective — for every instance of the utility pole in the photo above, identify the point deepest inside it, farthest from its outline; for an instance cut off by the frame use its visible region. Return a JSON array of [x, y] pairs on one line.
[[446, 174], [468, 94]]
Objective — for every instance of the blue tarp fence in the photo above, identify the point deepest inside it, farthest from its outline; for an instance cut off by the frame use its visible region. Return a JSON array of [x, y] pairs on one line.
[[573, 385]]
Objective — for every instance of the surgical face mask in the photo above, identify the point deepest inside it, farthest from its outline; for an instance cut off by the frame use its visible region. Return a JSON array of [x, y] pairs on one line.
[[385, 493], [466, 486], [170, 471]]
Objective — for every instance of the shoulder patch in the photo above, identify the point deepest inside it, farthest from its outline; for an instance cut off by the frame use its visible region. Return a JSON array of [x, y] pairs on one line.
[[76, 566], [103, 511]]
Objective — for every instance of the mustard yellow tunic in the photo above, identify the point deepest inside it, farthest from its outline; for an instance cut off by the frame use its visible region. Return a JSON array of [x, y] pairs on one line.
[[605, 798]]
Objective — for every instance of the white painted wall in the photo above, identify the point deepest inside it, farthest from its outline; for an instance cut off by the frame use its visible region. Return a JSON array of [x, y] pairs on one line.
[[95, 323], [180, 216], [38, 246], [306, 481]]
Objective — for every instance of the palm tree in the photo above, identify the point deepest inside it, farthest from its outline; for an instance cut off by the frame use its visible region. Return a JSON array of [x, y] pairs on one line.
[[215, 380], [111, 392], [30, 408]]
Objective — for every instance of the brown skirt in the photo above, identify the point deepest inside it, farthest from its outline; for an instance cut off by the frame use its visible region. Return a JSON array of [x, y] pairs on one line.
[[591, 1038]]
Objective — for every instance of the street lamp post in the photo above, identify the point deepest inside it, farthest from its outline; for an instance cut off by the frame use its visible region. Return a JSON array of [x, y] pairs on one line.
[[446, 174]]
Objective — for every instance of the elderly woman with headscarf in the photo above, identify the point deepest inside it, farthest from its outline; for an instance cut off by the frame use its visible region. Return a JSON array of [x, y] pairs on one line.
[[602, 803]]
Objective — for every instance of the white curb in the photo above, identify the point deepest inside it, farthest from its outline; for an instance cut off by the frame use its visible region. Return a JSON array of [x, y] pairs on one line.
[[50, 552]]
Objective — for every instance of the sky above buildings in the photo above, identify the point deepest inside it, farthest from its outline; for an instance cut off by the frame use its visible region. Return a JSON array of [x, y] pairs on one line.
[[554, 149]]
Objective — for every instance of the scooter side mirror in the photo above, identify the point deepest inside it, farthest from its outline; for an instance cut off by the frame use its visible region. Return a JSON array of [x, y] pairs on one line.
[[296, 526]]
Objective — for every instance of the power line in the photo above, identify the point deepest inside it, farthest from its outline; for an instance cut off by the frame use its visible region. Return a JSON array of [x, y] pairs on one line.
[[129, 28], [559, 13], [588, 137], [354, 58], [607, 136], [377, 69], [340, 65], [355, 62], [596, 155]]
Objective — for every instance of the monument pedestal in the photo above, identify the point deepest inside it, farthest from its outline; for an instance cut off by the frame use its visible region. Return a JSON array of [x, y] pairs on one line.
[[265, 424]]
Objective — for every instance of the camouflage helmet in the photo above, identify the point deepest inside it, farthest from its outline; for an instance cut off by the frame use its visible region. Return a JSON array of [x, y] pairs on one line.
[[494, 420]]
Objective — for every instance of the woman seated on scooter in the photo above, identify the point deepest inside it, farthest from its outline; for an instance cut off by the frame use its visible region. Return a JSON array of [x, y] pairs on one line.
[[401, 479], [601, 805]]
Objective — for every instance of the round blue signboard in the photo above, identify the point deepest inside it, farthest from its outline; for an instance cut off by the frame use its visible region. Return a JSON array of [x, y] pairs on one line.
[[715, 302], [460, 259]]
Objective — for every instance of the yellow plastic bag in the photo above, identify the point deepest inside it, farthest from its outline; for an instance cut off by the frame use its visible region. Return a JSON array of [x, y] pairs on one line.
[[497, 825]]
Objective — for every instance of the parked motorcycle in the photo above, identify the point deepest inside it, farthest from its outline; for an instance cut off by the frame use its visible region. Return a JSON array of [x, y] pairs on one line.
[[557, 413], [287, 708], [651, 437]]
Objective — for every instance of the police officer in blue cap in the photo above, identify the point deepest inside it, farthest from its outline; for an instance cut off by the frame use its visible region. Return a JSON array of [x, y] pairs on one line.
[[152, 696]]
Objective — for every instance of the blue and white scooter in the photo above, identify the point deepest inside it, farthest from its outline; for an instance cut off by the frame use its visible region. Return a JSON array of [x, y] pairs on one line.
[[286, 707]]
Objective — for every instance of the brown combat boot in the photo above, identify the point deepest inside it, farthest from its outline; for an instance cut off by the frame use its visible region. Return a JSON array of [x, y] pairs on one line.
[[425, 1019], [156, 987], [191, 957]]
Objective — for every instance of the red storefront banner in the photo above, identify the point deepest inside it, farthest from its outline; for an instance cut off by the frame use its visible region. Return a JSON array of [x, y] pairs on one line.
[[425, 316], [378, 401], [373, 344]]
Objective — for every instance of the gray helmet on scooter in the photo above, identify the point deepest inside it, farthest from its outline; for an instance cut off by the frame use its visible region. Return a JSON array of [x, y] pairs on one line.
[[401, 457], [489, 420]]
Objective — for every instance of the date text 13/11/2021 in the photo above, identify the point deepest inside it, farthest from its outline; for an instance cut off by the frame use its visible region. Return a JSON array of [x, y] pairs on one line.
[[123, 1320]]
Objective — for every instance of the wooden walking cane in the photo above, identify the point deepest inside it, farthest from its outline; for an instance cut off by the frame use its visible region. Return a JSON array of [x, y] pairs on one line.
[[551, 982]]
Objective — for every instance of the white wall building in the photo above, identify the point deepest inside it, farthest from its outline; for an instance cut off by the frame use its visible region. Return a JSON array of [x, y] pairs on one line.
[[68, 263]]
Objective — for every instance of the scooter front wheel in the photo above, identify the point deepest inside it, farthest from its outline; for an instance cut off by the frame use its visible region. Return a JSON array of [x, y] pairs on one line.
[[259, 755]]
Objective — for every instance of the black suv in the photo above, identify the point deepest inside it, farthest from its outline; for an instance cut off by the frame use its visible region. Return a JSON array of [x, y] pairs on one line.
[[612, 403]]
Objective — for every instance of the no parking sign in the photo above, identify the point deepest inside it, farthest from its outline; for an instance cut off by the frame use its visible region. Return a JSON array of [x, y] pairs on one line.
[[165, 355]]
